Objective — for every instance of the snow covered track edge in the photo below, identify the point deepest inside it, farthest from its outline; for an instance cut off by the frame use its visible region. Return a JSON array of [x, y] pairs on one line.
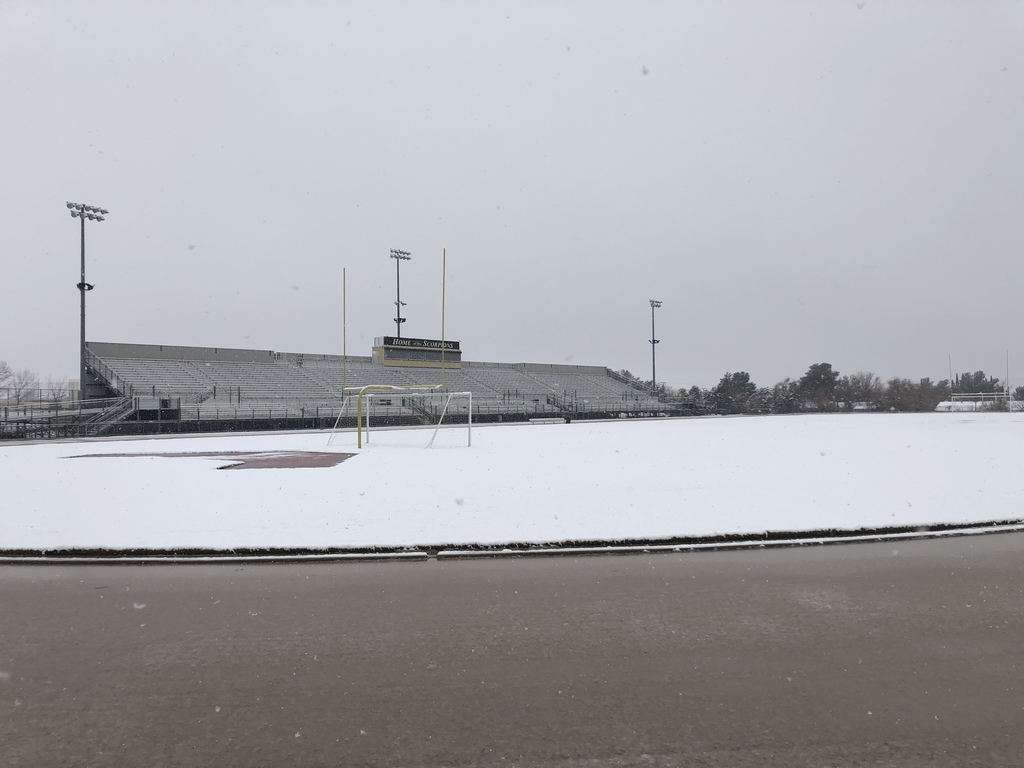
[[463, 552]]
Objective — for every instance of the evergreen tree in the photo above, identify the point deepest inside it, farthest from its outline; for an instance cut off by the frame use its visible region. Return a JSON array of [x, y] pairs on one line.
[[818, 386], [732, 393], [970, 383], [785, 397]]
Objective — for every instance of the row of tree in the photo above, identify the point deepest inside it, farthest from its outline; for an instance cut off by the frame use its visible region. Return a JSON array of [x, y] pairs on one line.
[[822, 388], [25, 386]]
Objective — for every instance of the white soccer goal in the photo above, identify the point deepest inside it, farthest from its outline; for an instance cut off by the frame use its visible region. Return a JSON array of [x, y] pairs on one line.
[[347, 411], [406, 417]]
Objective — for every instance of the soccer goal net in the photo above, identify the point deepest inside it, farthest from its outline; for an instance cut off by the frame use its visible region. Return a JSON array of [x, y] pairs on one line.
[[402, 417]]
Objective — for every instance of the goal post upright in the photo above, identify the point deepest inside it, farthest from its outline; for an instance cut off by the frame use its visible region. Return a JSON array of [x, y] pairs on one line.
[[444, 269], [344, 330]]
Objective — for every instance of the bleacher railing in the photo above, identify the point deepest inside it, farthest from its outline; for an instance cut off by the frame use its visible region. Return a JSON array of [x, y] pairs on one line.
[[283, 407], [68, 418], [107, 373]]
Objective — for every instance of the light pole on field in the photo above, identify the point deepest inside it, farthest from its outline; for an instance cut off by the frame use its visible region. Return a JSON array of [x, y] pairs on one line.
[[399, 257], [83, 212], [654, 378]]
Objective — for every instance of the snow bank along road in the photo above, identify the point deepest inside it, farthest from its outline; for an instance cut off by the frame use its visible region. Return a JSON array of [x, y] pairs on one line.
[[608, 481], [881, 654]]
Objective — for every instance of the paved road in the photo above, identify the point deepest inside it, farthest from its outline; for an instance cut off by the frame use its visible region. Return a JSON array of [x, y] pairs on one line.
[[909, 654]]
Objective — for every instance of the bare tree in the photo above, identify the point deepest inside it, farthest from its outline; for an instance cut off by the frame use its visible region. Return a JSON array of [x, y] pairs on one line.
[[5, 372], [862, 389], [23, 384], [57, 390], [899, 395]]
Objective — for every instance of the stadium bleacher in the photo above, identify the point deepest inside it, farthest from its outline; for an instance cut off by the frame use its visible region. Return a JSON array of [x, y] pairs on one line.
[[206, 383]]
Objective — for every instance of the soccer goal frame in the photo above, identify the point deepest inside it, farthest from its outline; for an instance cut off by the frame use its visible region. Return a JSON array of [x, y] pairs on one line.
[[341, 412], [366, 393]]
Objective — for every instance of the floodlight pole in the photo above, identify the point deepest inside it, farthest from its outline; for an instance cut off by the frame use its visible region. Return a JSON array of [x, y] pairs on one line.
[[654, 378], [399, 257], [83, 212]]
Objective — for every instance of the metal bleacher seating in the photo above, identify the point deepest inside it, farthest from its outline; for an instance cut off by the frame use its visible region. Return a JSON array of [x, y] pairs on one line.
[[209, 383]]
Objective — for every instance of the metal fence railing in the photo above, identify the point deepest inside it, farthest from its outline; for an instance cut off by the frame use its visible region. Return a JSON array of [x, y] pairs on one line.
[[41, 408], [37, 395]]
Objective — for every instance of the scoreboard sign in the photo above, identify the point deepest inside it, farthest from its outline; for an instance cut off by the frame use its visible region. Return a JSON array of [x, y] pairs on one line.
[[416, 353]]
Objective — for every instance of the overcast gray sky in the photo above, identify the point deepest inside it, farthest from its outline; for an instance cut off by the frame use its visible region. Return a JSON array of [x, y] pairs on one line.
[[797, 181]]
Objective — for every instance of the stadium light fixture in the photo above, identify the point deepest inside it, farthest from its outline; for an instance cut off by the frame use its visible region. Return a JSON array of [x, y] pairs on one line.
[[82, 212], [399, 257], [654, 378]]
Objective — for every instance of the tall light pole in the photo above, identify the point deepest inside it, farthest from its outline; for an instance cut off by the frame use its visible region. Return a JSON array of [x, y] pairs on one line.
[[399, 257], [83, 212], [654, 378]]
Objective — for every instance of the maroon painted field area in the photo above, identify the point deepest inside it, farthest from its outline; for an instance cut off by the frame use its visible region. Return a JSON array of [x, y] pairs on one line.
[[246, 459]]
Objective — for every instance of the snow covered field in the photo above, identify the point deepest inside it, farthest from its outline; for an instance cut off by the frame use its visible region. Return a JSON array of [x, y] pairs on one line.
[[526, 483]]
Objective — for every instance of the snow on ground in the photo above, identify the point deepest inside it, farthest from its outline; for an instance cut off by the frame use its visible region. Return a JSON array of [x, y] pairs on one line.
[[583, 481]]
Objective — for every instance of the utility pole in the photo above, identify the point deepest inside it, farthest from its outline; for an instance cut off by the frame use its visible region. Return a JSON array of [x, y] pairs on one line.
[[83, 212], [399, 257], [654, 378]]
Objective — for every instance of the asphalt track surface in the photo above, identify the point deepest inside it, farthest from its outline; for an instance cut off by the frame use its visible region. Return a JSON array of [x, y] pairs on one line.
[[904, 654]]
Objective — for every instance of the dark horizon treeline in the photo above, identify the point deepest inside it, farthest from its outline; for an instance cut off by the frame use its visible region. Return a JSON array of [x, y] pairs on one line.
[[823, 389]]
